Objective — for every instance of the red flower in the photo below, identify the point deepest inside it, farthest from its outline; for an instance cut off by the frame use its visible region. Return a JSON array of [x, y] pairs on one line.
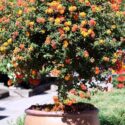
[[53, 44], [83, 87], [73, 91], [68, 61], [19, 76], [121, 78], [92, 22], [120, 85]]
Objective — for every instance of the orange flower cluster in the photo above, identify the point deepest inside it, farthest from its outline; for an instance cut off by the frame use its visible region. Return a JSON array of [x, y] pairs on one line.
[[64, 36]]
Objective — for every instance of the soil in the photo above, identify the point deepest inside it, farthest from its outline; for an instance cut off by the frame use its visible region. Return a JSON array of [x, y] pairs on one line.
[[74, 108]]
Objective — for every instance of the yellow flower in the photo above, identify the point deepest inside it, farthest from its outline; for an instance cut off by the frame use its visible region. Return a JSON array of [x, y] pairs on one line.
[[49, 11], [10, 40], [115, 55], [98, 9], [90, 31], [72, 8], [30, 48], [83, 23], [2, 49], [57, 21], [66, 28], [27, 22], [118, 13], [31, 23], [68, 77], [5, 44], [108, 31], [32, 9], [68, 23], [43, 31], [101, 42], [19, 19], [60, 7], [82, 14], [113, 26], [85, 34], [27, 34], [20, 12], [65, 44], [114, 60], [51, 19]]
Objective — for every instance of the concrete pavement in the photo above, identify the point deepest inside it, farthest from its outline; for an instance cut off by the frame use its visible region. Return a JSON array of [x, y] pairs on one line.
[[15, 105]]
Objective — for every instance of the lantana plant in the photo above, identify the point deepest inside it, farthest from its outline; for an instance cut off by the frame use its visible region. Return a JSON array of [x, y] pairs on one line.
[[60, 37]]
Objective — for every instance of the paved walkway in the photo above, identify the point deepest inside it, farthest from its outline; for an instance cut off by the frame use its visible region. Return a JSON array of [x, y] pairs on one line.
[[15, 105]]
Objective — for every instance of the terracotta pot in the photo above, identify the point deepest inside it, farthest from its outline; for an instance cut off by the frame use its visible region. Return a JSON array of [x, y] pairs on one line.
[[34, 82], [58, 118]]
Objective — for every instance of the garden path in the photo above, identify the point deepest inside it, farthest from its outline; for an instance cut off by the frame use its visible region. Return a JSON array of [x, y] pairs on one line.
[[14, 106]]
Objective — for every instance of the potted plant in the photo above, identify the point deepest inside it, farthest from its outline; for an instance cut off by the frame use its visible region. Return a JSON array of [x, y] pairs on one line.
[[72, 39]]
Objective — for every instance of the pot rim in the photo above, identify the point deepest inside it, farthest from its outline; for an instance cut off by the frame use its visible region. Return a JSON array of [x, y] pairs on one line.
[[60, 114]]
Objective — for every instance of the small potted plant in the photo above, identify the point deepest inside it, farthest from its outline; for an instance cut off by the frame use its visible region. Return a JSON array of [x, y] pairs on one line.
[[67, 37]]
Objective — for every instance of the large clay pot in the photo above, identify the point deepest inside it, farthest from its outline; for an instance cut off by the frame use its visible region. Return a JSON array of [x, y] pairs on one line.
[[58, 118]]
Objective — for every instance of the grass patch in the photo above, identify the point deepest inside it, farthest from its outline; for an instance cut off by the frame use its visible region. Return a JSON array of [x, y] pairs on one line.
[[111, 106], [19, 121]]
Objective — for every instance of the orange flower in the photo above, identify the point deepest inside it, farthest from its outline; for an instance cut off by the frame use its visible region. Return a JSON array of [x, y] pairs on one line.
[[40, 20], [92, 22], [81, 94], [55, 72], [10, 82], [74, 28], [34, 72], [48, 41], [55, 99], [97, 70], [61, 31], [115, 7], [22, 46], [106, 59], [72, 8], [82, 14], [68, 77], [69, 102], [32, 1], [86, 54], [65, 44]]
